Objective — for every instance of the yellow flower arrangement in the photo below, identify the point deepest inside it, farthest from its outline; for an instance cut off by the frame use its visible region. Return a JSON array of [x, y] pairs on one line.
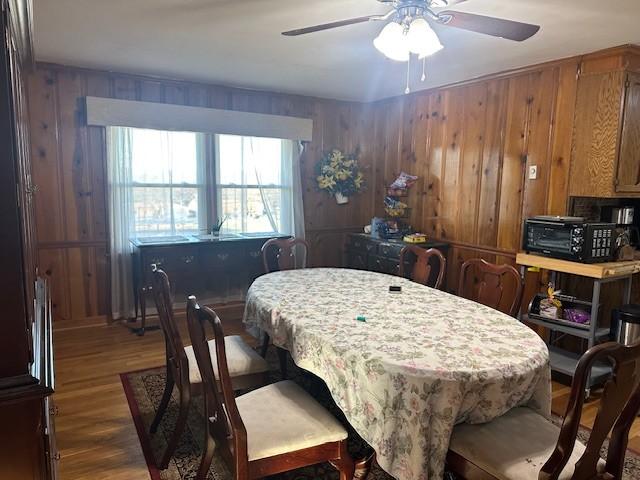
[[339, 173]]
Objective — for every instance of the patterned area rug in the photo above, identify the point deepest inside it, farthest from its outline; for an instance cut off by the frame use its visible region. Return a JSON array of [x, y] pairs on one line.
[[144, 390]]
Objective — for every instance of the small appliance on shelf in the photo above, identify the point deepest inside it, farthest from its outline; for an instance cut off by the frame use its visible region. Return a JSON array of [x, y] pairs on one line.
[[569, 238], [627, 235]]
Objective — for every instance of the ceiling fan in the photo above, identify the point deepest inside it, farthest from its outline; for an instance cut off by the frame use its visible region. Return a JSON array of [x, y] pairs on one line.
[[408, 30], [406, 11]]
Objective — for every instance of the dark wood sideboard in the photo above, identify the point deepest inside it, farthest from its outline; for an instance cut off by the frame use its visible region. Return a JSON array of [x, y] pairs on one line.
[[27, 440], [379, 255], [216, 271]]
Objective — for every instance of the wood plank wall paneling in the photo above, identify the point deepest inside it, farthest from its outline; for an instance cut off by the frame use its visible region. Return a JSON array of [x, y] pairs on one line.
[[70, 171], [470, 144]]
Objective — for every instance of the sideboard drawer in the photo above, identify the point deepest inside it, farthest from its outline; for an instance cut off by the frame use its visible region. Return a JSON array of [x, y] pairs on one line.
[[390, 251], [363, 245], [376, 263], [170, 260], [223, 257], [356, 259]]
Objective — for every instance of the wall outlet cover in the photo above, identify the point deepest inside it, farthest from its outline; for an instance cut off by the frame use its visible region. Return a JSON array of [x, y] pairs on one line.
[[533, 172]]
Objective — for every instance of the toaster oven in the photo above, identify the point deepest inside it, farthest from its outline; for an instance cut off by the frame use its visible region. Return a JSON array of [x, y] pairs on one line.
[[569, 238]]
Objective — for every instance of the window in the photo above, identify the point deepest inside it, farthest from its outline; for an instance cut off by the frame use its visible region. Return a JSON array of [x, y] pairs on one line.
[[168, 182], [254, 193]]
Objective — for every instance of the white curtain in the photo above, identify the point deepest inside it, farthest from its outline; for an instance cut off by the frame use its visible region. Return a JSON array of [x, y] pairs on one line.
[[293, 210], [121, 216], [291, 221]]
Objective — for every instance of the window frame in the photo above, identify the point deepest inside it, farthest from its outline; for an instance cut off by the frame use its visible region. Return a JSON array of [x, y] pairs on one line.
[[202, 187], [218, 187], [209, 190]]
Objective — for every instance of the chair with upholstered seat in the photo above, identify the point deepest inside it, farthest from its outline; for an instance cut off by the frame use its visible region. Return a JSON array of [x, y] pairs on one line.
[[523, 445], [267, 431], [246, 367], [488, 284], [423, 268]]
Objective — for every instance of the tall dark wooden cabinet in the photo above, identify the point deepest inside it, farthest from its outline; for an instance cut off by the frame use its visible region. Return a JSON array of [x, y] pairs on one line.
[[27, 446]]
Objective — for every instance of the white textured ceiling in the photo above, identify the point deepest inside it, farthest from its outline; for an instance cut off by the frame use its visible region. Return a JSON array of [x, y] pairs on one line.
[[238, 42]]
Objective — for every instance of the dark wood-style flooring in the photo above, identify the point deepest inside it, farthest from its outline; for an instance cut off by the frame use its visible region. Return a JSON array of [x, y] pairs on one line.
[[95, 433]]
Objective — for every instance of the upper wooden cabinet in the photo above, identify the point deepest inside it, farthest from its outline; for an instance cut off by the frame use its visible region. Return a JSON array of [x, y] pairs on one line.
[[628, 173], [606, 137]]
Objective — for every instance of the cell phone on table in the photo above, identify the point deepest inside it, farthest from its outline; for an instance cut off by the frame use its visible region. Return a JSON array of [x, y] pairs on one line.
[[395, 289]]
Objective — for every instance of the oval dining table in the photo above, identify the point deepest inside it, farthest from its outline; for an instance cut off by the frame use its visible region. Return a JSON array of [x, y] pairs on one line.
[[421, 362]]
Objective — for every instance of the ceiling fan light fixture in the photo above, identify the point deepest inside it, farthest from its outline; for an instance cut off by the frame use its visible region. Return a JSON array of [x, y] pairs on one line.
[[392, 42], [421, 38]]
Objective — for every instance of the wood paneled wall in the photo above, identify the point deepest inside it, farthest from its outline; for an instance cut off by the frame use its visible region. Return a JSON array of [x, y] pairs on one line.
[[470, 144], [69, 170]]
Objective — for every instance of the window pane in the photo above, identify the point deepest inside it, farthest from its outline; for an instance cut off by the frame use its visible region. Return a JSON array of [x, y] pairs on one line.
[[185, 209], [262, 161], [165, 210], [230, 159], [251, 210], [183, 157], [164, 157], [149, 163], [151, 211]]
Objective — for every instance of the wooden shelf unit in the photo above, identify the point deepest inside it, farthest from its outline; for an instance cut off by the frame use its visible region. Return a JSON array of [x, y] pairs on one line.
[[561, 360], [590, 270]]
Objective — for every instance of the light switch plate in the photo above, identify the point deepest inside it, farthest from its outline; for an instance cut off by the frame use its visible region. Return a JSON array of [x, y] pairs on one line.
[[533, 172]]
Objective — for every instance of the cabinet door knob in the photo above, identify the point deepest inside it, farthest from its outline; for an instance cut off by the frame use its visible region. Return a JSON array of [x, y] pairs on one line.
[[188, 259], [157, 262]]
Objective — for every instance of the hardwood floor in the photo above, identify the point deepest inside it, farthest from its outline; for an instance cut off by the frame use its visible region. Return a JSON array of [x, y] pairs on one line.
[[95, 433]]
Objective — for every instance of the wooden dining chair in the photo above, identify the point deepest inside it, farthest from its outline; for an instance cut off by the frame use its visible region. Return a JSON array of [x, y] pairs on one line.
[[247, 368], [285, 259], [285, 253], [487, 286], [523, 445], [273, 429], [423, 267]]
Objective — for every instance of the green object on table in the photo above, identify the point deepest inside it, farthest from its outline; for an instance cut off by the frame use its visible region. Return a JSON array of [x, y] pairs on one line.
[[361, 318]]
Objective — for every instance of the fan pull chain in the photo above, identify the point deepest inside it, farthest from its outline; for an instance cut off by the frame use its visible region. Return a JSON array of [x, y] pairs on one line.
[[408, 90], [424, 69]]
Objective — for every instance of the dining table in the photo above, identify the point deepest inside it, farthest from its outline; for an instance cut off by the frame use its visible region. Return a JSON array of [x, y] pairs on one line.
[[405, 367]]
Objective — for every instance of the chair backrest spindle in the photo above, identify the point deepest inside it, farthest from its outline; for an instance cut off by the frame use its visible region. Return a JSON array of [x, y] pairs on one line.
[[617, 411], [285, 253], [225, 423], [489, 288], [176, 356], [423, 267]]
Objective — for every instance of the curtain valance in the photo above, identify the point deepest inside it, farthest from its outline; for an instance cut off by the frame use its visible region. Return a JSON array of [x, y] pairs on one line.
[[161, 116]]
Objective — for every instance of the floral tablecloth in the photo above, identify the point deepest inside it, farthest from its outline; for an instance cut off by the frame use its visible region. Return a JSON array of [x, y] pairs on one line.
[[423, 360]]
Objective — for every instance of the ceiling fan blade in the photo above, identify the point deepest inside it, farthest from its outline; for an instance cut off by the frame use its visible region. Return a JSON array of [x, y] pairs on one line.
[[496, 27], [327, 26]]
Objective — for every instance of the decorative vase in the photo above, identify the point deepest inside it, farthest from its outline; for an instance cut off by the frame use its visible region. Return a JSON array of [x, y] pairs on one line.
[[341, 199]]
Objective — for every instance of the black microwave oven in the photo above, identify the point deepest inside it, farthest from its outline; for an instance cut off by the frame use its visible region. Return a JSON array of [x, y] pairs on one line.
[[569, 238]]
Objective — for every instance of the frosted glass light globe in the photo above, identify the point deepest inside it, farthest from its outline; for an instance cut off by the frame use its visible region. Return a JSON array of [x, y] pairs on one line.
[[421, 39], [392, 42]]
